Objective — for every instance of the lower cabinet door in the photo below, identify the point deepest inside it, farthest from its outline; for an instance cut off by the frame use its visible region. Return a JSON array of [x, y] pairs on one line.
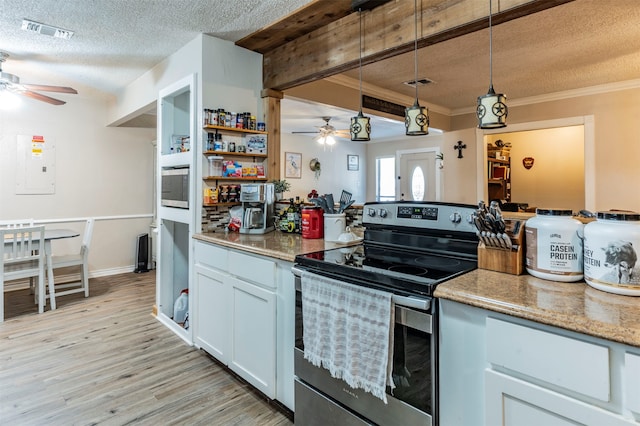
[[212, 312], [514, 402], [253, 335]]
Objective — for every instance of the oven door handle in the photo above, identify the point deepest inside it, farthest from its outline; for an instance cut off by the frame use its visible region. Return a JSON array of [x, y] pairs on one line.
[[408, 301]]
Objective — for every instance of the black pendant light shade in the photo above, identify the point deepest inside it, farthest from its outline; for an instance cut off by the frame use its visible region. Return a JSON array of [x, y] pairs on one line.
[[491, 108], [416, 120], [360, 125], [416, 117], [360, 128]]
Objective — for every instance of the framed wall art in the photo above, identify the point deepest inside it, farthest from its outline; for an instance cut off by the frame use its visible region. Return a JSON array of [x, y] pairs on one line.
[[353, 163], [292, 163]]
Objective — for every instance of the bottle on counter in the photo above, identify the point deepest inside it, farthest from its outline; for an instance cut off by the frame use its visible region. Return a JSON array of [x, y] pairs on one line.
[[554, 245]]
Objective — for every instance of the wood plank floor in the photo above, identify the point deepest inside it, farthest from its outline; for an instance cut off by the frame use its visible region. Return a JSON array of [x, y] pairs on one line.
[[106, 360]]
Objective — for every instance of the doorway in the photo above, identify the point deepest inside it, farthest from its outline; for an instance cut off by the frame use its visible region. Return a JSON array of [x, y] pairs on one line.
[[418, 175], [586, 123]]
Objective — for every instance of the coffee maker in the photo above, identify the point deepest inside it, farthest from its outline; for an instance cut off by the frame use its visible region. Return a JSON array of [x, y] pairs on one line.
[[257, 208]]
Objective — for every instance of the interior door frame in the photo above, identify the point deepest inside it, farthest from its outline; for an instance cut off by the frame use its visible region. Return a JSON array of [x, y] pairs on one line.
[[438, 172], [587, 121]]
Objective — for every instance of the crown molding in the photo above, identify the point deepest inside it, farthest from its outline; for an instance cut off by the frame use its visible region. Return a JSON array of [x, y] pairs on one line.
[[558, 96]]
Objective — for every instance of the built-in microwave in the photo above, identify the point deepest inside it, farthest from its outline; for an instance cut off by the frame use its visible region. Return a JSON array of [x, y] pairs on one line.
[[175, 187]]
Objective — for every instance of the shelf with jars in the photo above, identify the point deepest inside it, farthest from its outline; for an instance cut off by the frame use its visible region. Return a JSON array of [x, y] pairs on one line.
[[211, 128]]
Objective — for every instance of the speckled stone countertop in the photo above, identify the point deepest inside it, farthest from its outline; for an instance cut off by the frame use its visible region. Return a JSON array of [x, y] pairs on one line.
[[276, 244], [572, 306]]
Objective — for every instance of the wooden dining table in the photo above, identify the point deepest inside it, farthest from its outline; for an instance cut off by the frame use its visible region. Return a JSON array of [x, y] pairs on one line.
[[49, 236]]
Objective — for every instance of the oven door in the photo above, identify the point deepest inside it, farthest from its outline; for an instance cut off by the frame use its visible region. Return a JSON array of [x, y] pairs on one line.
[[323, 400]]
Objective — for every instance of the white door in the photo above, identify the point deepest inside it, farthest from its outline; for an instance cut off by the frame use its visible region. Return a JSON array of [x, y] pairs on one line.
[[418, 177]]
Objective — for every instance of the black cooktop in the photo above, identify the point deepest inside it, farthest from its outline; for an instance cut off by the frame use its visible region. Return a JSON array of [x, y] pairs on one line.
[[404, 271]]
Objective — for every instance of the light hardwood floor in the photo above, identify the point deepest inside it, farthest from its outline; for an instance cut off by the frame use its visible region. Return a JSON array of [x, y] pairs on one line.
[[106, 360]]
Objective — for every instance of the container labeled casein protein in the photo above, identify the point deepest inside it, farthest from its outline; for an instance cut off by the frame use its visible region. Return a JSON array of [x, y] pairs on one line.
[[554, 245], [611, 246]]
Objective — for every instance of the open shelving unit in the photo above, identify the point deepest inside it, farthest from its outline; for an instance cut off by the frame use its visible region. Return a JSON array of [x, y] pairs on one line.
[[176, 110], [499, 179], [257, 157]]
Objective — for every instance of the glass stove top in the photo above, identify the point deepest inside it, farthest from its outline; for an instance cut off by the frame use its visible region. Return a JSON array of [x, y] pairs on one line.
[[405, 270]]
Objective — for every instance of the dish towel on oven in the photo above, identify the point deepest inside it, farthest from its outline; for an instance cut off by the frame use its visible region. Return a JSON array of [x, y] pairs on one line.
[[348, 330]]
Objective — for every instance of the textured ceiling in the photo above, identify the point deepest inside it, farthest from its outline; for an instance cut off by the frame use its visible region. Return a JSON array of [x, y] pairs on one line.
[[580, 44], [116, 41]]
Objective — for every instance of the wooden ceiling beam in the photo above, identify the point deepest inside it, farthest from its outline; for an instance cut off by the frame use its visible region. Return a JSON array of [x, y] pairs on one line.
[[315, 15], [388, 31]]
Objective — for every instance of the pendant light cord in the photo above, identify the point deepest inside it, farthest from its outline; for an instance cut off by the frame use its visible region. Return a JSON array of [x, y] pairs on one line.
[[490, 48], [360, 54], [415, 47]]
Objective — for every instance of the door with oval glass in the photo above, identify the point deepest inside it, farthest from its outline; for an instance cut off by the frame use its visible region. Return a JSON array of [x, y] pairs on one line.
[[418, 177]]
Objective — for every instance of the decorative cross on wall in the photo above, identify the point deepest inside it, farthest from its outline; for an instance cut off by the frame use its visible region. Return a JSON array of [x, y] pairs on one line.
[[460, 146]]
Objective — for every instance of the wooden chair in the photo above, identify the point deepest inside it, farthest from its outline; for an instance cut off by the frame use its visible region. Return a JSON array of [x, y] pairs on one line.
[[19, 223], [22, 257], [81, 259]]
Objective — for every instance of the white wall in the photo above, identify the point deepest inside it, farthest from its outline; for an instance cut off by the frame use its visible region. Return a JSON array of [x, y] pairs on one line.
[[143, 92], [334, 176], [556, 179], [99, 171]]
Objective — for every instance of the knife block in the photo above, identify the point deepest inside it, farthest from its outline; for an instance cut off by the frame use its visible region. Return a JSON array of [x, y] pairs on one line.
[[502, 260]]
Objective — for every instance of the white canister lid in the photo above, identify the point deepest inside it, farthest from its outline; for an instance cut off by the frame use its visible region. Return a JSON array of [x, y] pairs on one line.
[[619, 216]]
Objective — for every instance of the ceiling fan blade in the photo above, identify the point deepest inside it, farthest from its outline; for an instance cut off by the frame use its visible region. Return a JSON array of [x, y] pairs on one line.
[[45, 88], [41, 97], [315, 131]]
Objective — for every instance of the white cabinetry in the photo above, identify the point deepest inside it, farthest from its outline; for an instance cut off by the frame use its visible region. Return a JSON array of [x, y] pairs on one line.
[[515, 402], [253, 335], [510, 371], [236, 312]]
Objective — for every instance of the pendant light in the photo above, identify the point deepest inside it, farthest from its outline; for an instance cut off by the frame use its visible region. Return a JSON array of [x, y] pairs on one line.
[[360, 125], [491, 110], [416, 117]]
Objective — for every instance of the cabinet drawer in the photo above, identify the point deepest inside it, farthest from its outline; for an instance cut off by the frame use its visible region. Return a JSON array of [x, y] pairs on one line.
[[631, 382], [254, 269], [572, 364], [211, 255]]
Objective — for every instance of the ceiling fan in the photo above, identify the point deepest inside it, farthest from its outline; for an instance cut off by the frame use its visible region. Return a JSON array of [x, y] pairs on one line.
[[11, 82], [327, 133]]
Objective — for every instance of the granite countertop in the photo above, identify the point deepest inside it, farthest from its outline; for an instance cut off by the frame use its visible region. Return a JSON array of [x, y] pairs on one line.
[[572, 306], [275, 244]]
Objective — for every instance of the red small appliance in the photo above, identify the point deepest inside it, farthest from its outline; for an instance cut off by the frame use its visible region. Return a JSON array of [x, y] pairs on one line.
[[312, 222]]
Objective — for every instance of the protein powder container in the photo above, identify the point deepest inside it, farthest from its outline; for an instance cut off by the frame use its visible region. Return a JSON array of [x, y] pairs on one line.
[[554, 245], [611, 253]]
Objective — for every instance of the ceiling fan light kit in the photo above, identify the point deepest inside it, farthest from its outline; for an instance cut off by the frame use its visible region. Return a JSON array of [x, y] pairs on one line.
[[11, 83], [416, 117], [491, 109], [360, 128]]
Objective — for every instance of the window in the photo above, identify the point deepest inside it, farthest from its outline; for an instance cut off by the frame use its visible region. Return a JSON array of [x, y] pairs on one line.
[[385, 179], [417, 184]]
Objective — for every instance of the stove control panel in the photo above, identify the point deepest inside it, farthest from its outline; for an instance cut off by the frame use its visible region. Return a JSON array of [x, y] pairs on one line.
[[417, 212], [428, 215]]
